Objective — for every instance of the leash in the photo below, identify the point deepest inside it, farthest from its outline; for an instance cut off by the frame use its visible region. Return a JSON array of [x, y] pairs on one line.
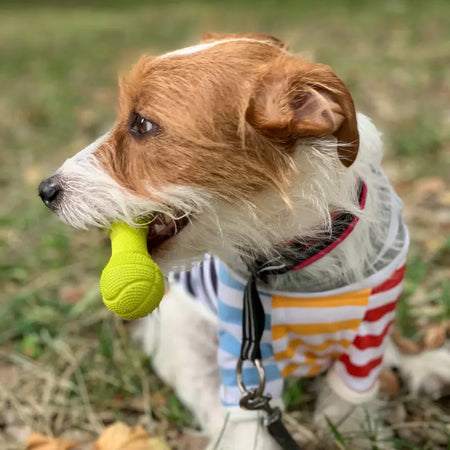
[[295, 255], [254, 398]]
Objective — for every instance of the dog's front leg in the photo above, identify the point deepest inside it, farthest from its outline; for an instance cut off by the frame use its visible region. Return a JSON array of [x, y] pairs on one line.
[[243, 434], [356, 416], [181, 338]]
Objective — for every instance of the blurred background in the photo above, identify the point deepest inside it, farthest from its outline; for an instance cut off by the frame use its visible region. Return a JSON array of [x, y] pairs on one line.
[[68, 368]]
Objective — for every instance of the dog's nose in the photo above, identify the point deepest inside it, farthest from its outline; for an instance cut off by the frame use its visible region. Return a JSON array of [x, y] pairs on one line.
[[49, 191]]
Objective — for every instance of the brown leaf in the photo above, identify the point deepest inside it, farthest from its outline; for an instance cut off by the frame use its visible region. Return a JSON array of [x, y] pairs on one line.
[[121, 437], [70, 294], [38, 441], [425, 187], [435, 336], [406, 345], [389, 382]]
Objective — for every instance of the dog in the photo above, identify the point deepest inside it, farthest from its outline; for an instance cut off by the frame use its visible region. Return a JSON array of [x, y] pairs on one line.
[[240, 150]]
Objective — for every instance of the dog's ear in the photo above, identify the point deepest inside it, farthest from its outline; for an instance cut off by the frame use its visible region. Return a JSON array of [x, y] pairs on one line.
[[213, 37], [293, 98]]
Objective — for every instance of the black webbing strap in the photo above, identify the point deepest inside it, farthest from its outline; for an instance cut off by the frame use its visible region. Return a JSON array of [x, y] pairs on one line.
[[252, 329], [284, 439], [252, 322]]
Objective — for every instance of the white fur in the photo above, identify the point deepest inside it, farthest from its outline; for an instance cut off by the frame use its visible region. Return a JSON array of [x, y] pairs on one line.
[[181, 337], [92, 198], [200, 47], [427, 372]]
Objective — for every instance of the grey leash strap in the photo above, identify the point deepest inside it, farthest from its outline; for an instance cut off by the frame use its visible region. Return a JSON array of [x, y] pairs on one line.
[[254, 398]]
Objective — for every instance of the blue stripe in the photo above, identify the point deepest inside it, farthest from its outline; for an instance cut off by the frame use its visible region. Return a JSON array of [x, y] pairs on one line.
[[224, 403], [228, 280], [230, 314], [232, 346], [250, 375]]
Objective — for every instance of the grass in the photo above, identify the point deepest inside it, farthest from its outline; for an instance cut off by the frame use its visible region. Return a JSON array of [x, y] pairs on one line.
[[65, 363]]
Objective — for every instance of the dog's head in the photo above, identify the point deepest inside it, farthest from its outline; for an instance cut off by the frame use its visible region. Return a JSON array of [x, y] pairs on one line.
[[210, 141]]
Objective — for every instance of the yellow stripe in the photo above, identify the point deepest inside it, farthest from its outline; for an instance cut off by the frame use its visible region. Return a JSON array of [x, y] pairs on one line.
[[359, 298], [310, 358], [289, 369], [279, 331], [292, 347], [315, 370]]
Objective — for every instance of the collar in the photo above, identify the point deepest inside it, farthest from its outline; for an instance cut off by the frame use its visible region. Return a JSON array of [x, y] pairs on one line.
[[300, 253]]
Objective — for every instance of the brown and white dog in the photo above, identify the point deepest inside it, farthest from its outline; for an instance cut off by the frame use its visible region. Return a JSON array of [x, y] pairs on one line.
[[236, 146]]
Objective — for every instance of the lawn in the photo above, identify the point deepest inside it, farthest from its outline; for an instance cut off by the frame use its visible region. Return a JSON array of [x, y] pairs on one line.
[[67, 366]]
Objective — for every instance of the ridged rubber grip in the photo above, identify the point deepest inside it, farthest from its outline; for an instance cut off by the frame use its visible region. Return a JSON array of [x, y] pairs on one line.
[[131, 284]]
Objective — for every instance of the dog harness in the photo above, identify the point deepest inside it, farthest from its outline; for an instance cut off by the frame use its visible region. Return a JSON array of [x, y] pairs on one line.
[[341, 330]]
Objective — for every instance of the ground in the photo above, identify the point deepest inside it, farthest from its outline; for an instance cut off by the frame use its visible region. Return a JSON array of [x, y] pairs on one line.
[[67, 366]]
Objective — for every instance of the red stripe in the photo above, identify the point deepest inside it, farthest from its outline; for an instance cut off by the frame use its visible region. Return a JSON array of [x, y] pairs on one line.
[[359, 371], [377, 313], [328, 249], [395, 279], [334, 244], [371, 340]]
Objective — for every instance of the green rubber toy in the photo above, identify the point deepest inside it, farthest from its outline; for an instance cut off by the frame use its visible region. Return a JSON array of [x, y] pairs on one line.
[[131, 284]]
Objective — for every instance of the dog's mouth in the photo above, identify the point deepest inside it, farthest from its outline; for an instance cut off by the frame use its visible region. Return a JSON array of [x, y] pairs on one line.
[[162, 228]]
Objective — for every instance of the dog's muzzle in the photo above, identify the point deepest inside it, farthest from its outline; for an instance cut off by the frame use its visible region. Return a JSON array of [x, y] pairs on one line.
[[50, 191]]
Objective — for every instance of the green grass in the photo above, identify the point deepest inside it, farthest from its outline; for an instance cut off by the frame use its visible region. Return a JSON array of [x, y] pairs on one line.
[[58, 72]]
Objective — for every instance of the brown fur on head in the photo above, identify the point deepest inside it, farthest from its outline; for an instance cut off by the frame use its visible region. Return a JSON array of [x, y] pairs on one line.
[[236, 122], [229, 117]]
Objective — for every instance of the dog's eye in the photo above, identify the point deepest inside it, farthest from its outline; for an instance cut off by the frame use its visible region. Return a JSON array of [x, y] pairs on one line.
[[139, 126]]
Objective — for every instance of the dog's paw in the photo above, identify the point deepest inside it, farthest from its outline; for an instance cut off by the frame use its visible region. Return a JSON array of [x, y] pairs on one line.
[[427, 372], [360, 426], [243, 435]]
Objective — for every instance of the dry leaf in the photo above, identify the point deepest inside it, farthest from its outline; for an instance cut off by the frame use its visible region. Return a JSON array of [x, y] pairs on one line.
[[446, 324], [425, 187], [121, 437], [389, 382], [406, 345], [70, 294], [38, 441], [435, 336]]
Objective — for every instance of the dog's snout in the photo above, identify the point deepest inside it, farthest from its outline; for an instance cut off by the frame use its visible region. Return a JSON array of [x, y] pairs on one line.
[[49, 190]]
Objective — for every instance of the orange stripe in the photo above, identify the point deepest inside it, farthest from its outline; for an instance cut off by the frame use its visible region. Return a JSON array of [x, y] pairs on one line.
[[292, 347], [358, 298], [289, 369], [279, 331], [315, 370]]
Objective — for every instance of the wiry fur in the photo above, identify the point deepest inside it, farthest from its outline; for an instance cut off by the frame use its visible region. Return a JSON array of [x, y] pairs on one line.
[[256, 148], [93, 198]]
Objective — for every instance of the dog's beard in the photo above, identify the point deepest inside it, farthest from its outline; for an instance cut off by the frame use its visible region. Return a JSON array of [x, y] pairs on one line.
[[91, 197]]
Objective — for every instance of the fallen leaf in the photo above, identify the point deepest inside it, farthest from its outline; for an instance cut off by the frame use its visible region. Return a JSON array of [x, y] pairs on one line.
[[389, 382], [425, 187], [406, 345], [70, 294], [121, 437], [38, 441], [435, 336]]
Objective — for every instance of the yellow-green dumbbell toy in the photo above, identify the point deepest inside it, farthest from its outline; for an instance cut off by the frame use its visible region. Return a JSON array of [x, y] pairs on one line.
[[131, 284]]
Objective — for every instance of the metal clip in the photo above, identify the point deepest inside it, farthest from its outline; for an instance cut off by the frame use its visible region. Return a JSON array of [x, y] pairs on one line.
[[259, 391], [254, 398]]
